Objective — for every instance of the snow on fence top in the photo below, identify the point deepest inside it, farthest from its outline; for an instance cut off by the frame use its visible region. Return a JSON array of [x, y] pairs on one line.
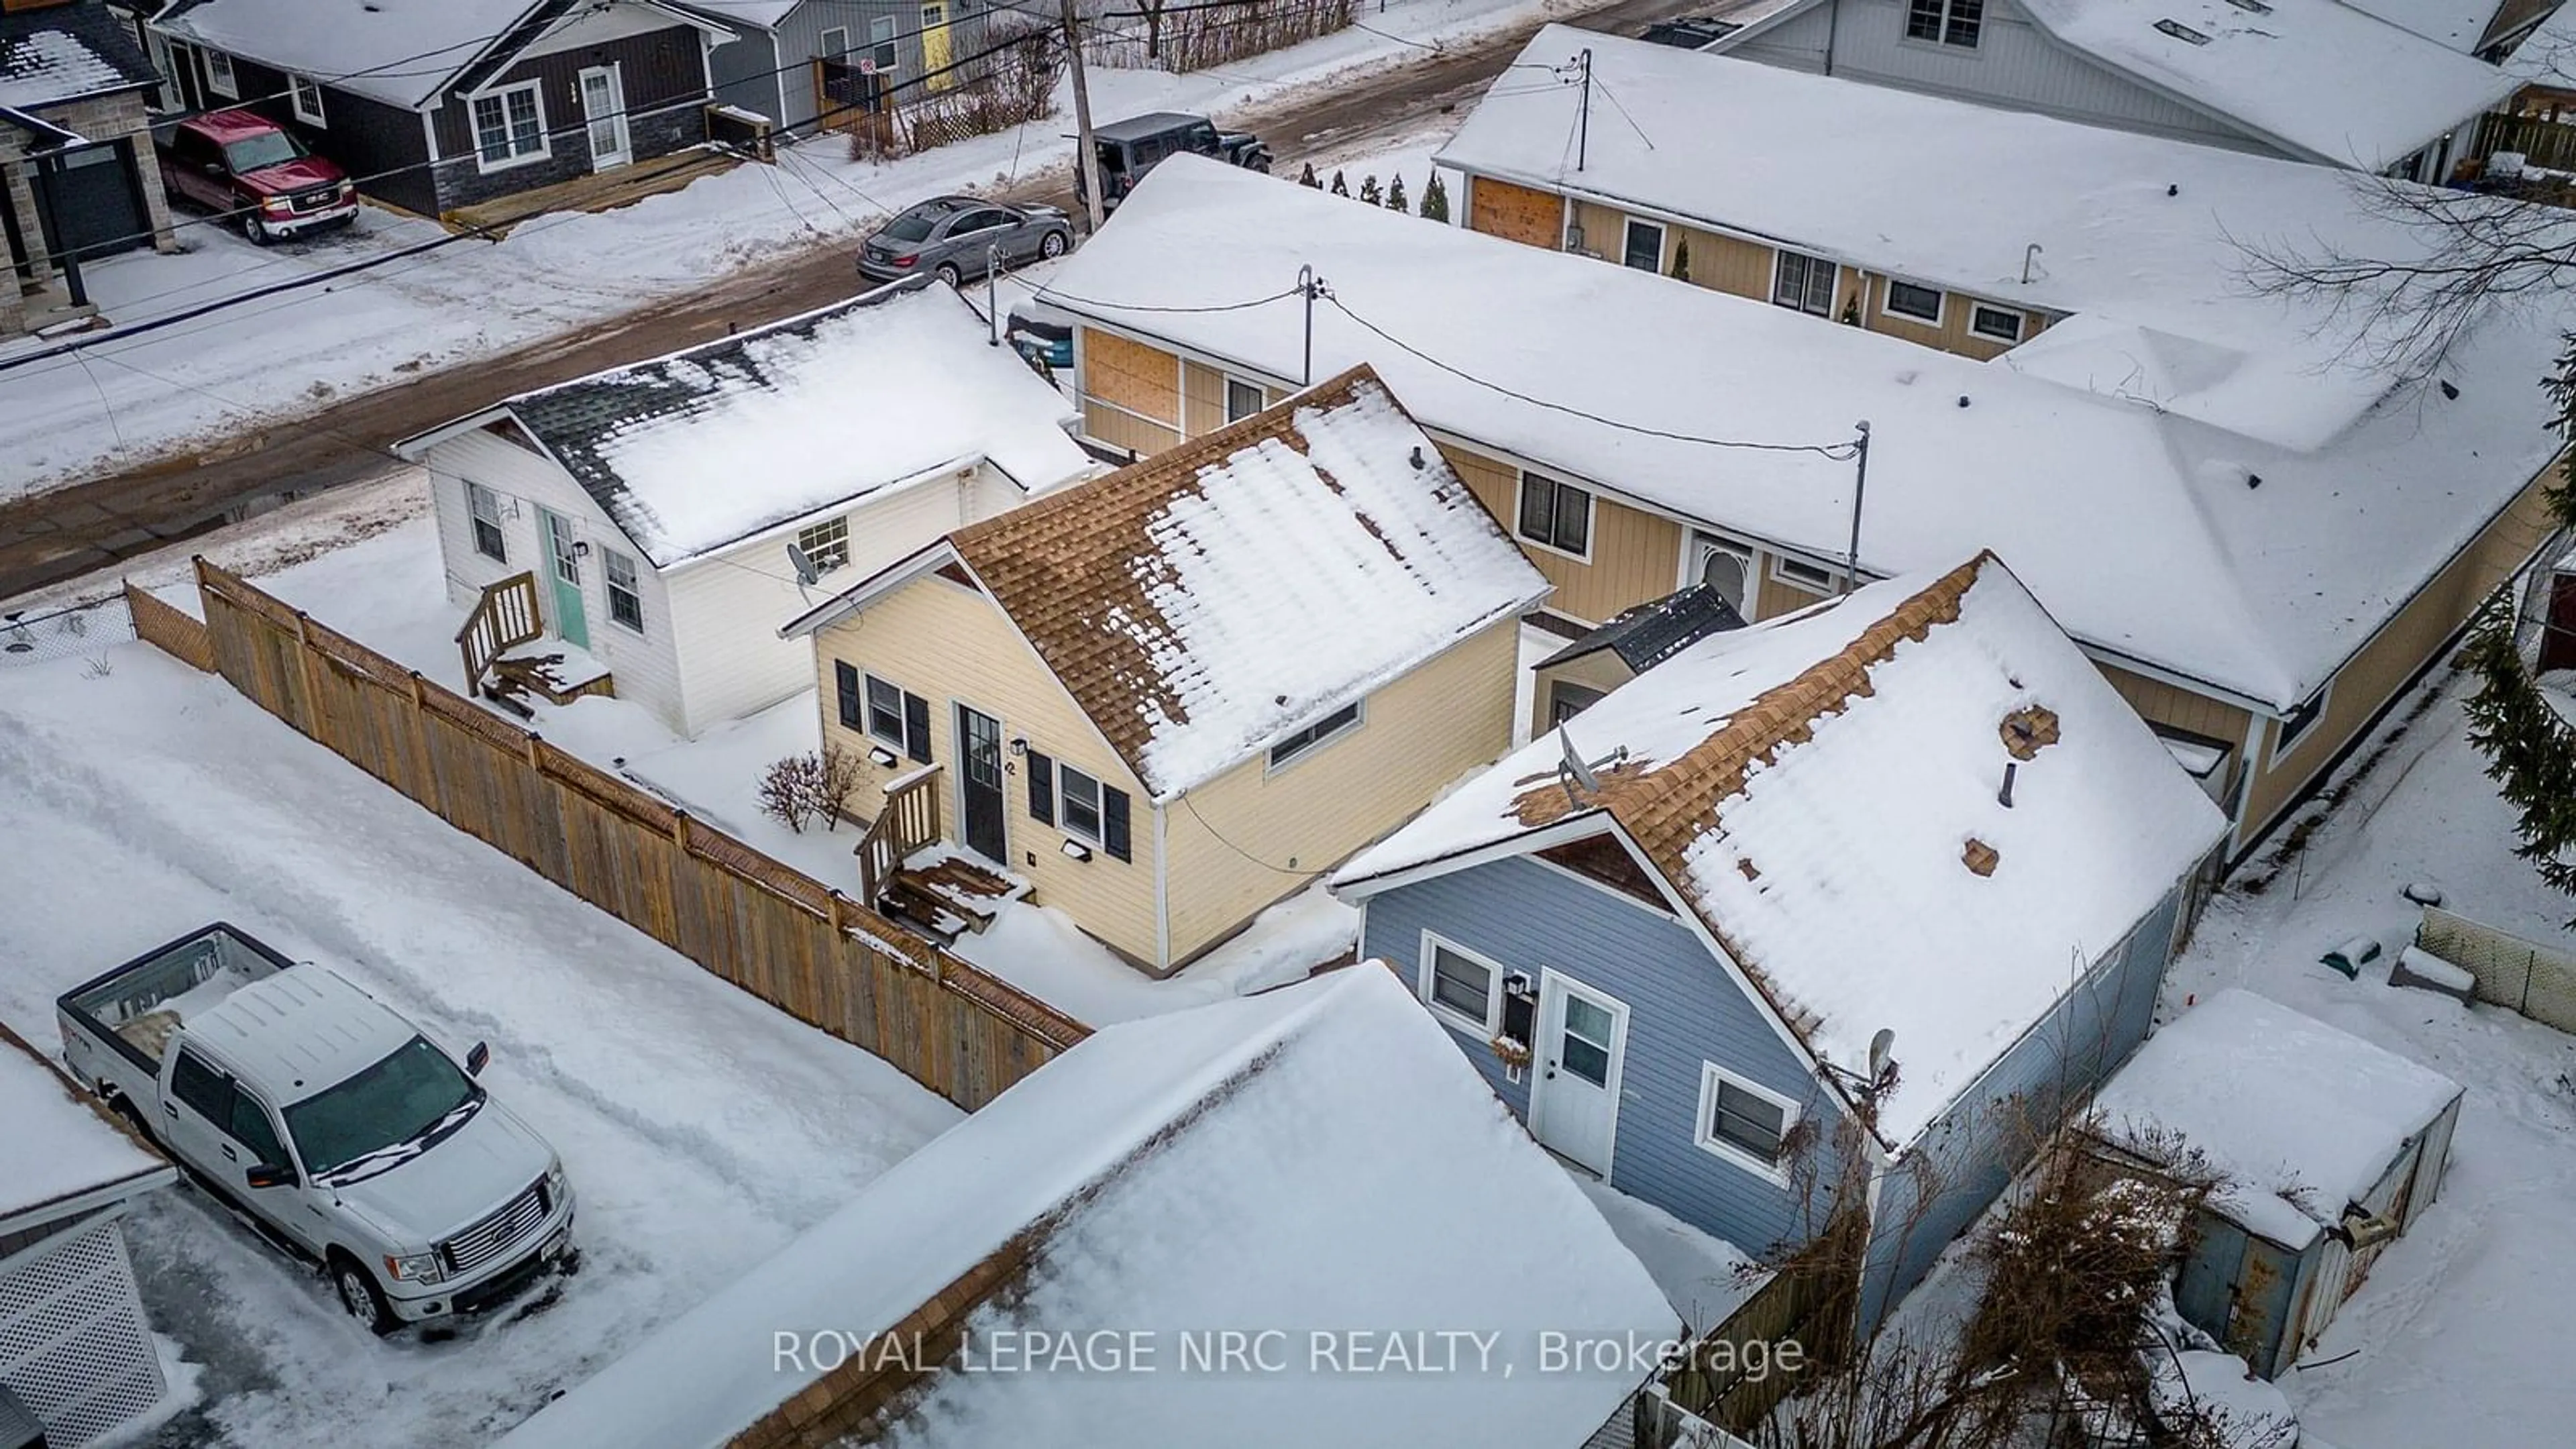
[[703, 448], [1314, 1158], [57, 1146], [2142, 237], [2315, 76], [1823, 790], [2301, 1117], [1202, 603], [54, 56], [2248, 567]]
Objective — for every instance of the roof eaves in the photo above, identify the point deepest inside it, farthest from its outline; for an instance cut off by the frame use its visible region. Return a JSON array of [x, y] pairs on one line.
[[927, 559]]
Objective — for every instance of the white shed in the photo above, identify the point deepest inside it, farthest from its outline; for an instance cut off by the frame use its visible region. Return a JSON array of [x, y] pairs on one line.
[[651, 507], [75, 1347]]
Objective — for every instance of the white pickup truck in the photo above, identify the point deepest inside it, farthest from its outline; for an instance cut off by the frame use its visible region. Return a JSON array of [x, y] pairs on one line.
[[340, 1130]]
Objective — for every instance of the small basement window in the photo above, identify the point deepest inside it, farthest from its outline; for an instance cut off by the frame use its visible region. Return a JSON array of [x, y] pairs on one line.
[[1910, 300], [1242, 399], [1995, 324], [1813, 577], [826, 544], [1338, 722], [1460, 987], [1745, 1123]]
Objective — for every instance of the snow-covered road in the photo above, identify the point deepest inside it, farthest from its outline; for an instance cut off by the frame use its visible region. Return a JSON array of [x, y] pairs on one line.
[[702, 1129]]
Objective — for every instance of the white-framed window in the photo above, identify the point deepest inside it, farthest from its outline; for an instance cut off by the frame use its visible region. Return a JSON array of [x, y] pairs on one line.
[[833, 44], [881, 45], [1798, 573], [885, 711], [2298, 725], [484, 507], [306, 96], [1995, 324], [1643, 246], [1744, 1122], [509, 127], [1339, 722], [1946, 22], [1913, 301], [1803, 282], [1556, 514], [625, 596], [1242, 399], [1464, 990], [165, 64], [827, 544], [1077, 802], [219, 75]]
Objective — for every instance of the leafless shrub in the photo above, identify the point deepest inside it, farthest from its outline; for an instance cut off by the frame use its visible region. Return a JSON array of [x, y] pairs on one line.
[[1165, 35], [802, 789]]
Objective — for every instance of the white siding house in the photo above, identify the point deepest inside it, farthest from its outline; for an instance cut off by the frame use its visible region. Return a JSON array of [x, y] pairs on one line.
[[656, 504]]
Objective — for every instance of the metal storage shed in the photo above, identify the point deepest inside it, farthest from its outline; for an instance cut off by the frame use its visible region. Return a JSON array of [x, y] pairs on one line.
[[2331, 1148]]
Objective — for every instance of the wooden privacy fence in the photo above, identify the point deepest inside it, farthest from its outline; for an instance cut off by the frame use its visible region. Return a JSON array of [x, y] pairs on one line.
[[773, 931], [2535, 980], [169, 630]]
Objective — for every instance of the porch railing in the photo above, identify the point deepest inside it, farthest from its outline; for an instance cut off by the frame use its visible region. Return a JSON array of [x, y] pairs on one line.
[[503, 619], [909, 821]]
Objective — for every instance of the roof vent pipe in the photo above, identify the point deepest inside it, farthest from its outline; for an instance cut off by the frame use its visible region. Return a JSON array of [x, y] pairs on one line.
[[2003, 796]]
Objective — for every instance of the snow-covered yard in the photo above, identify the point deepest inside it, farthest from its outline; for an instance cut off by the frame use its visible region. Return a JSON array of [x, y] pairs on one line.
[[701, 1128], [119, 401]]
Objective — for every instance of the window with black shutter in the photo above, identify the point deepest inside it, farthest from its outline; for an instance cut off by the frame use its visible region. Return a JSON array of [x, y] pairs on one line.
[[1113, 824], [847, 680], [916, 727], [1041, 788]]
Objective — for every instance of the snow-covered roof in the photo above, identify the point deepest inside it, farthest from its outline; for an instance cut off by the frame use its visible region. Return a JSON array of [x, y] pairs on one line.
[[1812, 786], [51, 56], [764, 14], [2143, 237], [1611, 375], [2547, 56], [2459, 24], [1202, 603], [2315, 76], [58, 1146], [400, 52], [703, 448], [2302, 1118], [1317, 1158]]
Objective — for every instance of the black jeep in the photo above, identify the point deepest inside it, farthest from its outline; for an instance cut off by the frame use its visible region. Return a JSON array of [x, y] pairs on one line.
[[1130, 148]]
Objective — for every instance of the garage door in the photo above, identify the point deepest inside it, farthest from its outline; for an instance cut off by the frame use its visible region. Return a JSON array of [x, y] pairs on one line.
[[1517, 213], [97, 207]]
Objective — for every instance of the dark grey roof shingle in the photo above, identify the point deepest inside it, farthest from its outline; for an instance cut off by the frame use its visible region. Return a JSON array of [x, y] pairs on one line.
[[1656, 630]]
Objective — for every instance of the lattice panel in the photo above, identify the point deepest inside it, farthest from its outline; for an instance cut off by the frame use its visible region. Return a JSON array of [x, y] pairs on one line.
[[73, 1342]]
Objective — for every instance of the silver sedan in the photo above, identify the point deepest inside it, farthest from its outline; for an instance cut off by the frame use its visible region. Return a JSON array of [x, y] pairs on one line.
[[957, 237]]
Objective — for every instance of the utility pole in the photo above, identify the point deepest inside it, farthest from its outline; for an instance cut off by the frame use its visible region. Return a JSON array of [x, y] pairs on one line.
[[1310, 287], [1860, 484], [1086, 156], [1583, 120]]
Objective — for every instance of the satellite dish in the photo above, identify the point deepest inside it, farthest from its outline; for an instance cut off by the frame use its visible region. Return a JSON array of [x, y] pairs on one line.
[[1574, 768], [1881, 1048], [802, 563]]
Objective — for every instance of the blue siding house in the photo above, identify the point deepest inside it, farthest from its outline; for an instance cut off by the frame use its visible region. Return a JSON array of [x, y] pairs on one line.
[[1894, 879]]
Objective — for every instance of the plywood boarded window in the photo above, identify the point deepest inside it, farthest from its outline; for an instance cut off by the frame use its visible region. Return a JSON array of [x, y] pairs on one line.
[[1515, 213]]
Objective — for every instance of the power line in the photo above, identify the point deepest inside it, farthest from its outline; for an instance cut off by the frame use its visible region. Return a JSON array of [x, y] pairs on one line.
[[1046, 293]]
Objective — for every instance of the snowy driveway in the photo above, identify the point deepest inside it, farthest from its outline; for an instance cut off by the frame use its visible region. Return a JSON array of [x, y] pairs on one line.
[[701, 1128]]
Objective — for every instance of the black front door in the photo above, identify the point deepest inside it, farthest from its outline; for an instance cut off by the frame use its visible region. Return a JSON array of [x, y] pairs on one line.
[[979, 781]]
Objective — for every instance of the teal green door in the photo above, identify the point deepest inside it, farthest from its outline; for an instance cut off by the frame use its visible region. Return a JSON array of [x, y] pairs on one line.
[[564, 567]]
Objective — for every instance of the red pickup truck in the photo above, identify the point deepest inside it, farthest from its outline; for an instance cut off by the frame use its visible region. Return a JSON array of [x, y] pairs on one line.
[[238, 162]]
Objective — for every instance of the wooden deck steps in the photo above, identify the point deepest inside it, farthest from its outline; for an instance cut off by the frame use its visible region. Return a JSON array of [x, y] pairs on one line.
[[526, 671], [949, 894]]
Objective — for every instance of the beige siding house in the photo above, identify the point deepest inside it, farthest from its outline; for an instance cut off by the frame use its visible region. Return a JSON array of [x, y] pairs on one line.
[[657, 513], [2261, 548], [1163, 699]]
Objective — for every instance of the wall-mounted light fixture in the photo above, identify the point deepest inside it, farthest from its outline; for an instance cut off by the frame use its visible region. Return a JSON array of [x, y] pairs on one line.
[[1019, 744]]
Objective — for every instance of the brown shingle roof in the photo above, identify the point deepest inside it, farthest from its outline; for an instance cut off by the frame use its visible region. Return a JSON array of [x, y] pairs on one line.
[[1087, 572]]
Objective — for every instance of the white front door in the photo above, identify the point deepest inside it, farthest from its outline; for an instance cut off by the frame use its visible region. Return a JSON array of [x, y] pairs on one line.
[[1574, 1103], [603, 105]]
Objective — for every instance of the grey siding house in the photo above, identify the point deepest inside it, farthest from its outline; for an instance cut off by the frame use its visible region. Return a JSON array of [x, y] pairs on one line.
[[1824, 916], [2310, 80], [770, 71], [431, 108]]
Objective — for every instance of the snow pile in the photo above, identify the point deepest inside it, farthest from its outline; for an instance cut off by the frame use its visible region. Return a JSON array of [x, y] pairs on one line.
[[2301, 1118], [1315, 1160], [1305, 571], [52, 66], [727, 439], [1859, 910], [2216, 1392], [2459, 24], [2315, 76], [56, 1147], [2248, 567]]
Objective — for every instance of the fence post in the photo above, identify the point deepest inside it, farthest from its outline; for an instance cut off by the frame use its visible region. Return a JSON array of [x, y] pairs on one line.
[[312, 685], [536, 757], [680, 830]]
